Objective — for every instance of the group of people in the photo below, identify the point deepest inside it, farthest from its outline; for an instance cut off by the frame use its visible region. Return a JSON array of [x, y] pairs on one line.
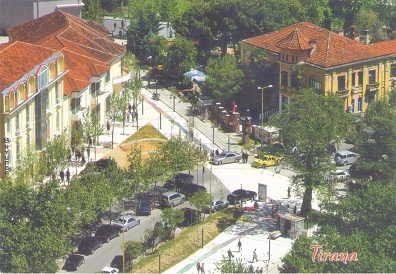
[[200, 267], [245, 157], [63, 175]]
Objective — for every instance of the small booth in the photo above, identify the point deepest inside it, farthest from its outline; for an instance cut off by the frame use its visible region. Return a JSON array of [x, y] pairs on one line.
[[291, 225]]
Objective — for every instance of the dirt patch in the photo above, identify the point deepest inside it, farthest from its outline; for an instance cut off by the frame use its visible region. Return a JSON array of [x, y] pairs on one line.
[[120, 153]]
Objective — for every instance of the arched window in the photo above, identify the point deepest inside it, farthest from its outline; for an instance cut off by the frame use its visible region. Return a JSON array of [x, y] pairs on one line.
[[314, 82], [43, 77], [21, 93], [61, 64], [7, 103], [12, 99], [52, 70], [31, 84]]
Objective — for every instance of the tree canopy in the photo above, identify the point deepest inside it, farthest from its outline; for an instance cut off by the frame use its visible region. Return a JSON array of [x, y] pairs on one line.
[[305, 124]]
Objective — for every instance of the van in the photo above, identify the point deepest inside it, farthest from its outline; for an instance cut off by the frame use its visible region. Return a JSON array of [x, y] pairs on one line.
[[172, 199], [345, 157]]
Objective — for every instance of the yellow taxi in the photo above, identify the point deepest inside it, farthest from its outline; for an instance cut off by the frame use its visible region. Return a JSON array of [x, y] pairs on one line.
[[267, 160]]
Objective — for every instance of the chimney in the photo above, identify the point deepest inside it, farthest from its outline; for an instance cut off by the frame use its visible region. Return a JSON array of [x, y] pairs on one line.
[[312, 43], [366, 37], [339, 32], [353, 34]]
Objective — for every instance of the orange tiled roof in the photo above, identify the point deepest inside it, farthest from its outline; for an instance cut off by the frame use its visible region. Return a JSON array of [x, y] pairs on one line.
[[331, 48], [294, 41], [81, 69], [88, 49], [19, 59]]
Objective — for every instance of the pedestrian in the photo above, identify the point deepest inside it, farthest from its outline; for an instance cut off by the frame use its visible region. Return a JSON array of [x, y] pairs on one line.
[[53, 175], [294, 209], [230, 255], [254, 256], [68, 176], [261, 269], [217, 151], [129, 108], [198, 267], [212, 154], [255, 205], [127, 116], [239, 245], [288, 192], [246, 157], [90, 141], [62, 175], [202, 268], [88, 153], [108, 127], [257, 270]]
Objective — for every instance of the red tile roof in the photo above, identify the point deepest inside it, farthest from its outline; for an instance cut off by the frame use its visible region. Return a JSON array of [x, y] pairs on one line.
[[81, 40], [331, 49], [294, 41], [19, 59]]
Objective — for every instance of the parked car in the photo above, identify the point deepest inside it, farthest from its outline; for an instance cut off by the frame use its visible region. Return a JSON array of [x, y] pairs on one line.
[[340, 175], [226, 157], [190, 189], [144, 207], [108, 232], [73, 262], [117, 262], [236, 196], [172, 199], [178, 181], [109, 270], [127, 222], [345, 157], [219, 204], [266, 161], [89, 244]]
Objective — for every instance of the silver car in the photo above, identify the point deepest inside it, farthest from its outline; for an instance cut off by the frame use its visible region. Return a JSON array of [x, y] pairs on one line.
[[226, 157], [219, 205], [127, 222]]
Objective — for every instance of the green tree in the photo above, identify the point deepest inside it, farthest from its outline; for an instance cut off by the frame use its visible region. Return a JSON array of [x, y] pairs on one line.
[[224, 78], [31, 168], [351, 224], [180, 57], [236, 265], [305, 124], [56, 153], [35, 227], [92, 11], [202, 201], [174, 217], [92, 127], [137, 171], [158, 46], [114, 113], [77, 135], [133, 249]]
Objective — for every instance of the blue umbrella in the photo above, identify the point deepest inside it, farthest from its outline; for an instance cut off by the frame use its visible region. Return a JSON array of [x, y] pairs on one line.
[[194, 72]]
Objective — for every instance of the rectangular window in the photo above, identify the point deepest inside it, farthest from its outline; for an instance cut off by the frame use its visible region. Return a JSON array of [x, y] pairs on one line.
[[372, 76], [341, 82], [57, 121], [393, 70], [8, 126], [359, 106], [360, 78], [57, 98], [17, 121], [43, 78], [354, 84], [353, 106], [284, 79]]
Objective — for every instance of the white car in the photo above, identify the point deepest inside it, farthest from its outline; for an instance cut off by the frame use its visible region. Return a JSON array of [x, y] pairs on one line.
[[226, 157], [339, 175], [109, 270], [127, 222]]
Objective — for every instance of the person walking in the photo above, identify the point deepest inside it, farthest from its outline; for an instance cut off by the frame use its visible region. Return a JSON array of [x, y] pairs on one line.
[[217, 151], [88, 153], [198, 267], [62, 175], [288, 192], [230, 255], [239, 245], [68, 176], [202, 268], [108, 127], [254, 256]]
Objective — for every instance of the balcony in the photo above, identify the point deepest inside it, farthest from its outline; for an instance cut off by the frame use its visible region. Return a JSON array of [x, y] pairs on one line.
[[372, 87], [342, 92], [357, 89]]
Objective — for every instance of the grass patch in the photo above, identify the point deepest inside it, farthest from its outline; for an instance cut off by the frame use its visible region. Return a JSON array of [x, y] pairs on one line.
[[187, 242], [247, 146], [147, 131]]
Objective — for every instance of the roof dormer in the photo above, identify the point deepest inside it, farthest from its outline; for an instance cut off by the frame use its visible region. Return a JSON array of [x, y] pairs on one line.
[[295, 47]]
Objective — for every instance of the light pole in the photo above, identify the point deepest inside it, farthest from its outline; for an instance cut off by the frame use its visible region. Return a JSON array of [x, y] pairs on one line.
[[262, 103], [262, 109]]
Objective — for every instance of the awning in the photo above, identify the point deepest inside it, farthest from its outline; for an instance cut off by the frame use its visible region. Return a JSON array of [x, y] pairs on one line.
[[121, 79]]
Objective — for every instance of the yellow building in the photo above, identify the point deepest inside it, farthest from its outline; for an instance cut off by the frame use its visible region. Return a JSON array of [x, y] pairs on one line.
[[53, 70], [306, 55]]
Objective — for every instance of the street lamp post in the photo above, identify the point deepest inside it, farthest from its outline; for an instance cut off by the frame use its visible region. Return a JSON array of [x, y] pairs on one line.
[[262, 103], [262, 109]]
